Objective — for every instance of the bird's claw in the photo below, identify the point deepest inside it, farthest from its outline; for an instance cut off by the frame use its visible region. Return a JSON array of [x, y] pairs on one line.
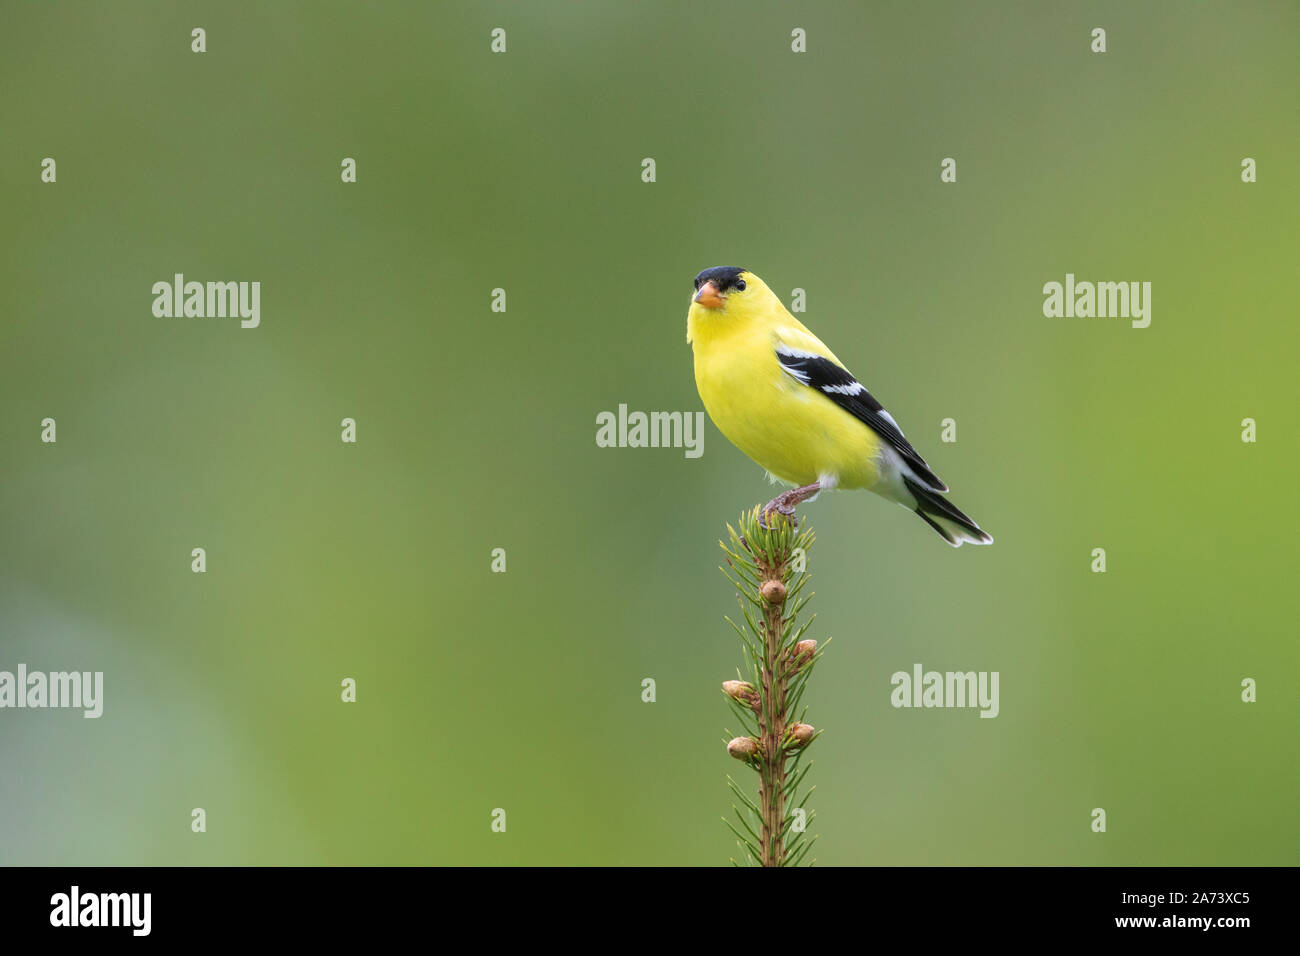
[[776, 505]]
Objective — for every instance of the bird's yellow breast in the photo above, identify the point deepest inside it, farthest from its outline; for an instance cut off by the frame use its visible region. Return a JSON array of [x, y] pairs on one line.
[[795, 432]]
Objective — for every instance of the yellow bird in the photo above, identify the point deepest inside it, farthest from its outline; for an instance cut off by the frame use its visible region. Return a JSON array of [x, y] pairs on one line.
[[786, 401]]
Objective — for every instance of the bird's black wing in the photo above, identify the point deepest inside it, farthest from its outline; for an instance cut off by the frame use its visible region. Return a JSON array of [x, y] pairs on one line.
[[844, 390]]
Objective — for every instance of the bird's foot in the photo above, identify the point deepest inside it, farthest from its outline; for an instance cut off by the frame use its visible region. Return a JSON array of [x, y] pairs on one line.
[[776, 507], [784, 504]]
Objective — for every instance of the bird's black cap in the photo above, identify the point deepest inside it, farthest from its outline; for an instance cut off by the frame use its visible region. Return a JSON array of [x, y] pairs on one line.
[[724, 277]]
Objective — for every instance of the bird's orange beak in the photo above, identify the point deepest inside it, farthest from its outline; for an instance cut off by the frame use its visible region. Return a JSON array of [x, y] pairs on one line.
[[709, 296]]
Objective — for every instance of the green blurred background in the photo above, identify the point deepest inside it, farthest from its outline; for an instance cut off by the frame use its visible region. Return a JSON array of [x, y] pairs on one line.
[[476, 429]]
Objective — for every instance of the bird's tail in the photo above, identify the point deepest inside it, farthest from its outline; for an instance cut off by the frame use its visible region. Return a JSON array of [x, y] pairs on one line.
[[945, 517]]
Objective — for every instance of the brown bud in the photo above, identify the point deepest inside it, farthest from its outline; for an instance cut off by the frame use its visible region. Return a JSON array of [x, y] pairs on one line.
[[801, 734], [742, 748], [773, 592], [741, 690], [804, 650]]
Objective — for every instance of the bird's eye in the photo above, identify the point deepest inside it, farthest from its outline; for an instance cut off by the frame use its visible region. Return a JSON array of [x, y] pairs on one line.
[[740, 285]]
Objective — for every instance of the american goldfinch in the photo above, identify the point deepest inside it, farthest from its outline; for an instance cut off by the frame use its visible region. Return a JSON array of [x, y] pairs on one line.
[[786, 401]]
